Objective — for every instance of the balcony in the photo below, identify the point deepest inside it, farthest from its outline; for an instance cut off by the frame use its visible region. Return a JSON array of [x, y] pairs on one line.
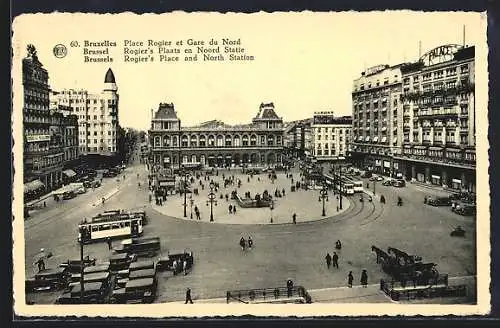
[[438, 114]]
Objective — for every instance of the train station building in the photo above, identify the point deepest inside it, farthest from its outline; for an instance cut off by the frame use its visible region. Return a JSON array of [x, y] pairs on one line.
[[215, 143]]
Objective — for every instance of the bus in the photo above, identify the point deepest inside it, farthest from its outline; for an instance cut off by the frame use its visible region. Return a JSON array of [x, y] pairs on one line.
[[358, 184], [346, 186], [110, 226]]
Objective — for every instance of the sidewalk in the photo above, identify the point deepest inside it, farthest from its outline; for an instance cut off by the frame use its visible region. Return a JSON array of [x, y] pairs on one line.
[[430, 187]]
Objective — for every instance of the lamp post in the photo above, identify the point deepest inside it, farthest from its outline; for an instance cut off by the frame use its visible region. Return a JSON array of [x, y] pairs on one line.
[[323, 196], [374, 183], [184, 172], [271, 208], [82, 280], [191, 203], [211, 199]]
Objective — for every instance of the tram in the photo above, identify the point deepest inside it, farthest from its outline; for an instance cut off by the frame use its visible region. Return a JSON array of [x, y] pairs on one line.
[[102, 227]]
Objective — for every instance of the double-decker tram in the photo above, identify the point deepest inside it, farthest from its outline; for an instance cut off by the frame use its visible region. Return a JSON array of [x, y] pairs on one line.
[[100, 227]]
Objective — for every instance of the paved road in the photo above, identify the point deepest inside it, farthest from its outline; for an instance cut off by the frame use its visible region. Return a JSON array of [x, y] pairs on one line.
[[281, 251]]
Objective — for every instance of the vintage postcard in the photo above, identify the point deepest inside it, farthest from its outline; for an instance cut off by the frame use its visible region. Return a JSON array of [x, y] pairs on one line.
[[274, 164]]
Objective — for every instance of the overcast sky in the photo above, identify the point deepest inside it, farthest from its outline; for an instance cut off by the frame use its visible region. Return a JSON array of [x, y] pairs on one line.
[[303, 62]]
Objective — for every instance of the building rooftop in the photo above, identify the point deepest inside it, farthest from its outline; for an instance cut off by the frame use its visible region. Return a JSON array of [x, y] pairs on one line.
[[165, 111], [266, 111]]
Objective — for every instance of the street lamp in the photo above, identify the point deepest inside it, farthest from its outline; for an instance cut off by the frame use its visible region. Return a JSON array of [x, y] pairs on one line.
[[184, 172], [191, 203], [271, 208], [374, 183], [323, 196], [82, 279], [211, 199], [338, 179]]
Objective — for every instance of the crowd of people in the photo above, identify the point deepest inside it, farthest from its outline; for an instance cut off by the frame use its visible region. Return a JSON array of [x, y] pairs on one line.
[[333, 261]]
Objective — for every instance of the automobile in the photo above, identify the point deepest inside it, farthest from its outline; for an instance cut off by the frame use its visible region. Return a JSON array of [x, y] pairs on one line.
[[48, 279], [141, 274], [439, 201], [398, 183], [141, 265], [91, 183], [141, 247], [118, 262], [387, 183], [94, 292], [74, 266], [373, 178], [136, 291], [464, 208], [68, 195]]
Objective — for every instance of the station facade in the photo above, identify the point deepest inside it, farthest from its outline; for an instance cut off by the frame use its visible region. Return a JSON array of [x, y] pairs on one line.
[[214, 143]]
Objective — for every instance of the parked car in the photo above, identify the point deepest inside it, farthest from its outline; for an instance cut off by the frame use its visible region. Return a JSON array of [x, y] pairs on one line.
[[109, 174], [387, 183], [439, 201], [398, 183], [464, 208], [68, 195]]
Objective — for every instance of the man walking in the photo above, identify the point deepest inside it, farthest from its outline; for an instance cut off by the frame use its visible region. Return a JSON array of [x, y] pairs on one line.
[[350, 278], [335, 259], [188, 296], [108, 240], [328, 259], [294, 218], [364, 278]]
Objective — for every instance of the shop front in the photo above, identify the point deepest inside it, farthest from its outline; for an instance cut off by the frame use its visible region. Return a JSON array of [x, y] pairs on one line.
[[436, 180]]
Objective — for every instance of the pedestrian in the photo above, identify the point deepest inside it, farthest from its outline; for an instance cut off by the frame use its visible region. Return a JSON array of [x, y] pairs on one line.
[[184, 267], [234, 209], [188, 296], [335, 260], [425, 199], [230, 209], [174, 267], [108, 240], [44, 204], [250, 242], [283, 192], [350, 278], [328, 259], [294, 218], [364, 278], [242, 243]]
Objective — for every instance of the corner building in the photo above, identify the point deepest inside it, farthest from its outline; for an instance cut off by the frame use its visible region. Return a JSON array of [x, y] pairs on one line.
[[439, 132], [214, 143], [43, 153], [417, 120], [97, 114]]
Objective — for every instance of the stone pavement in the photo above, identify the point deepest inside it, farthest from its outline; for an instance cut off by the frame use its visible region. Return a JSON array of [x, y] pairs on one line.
[[305, 203]]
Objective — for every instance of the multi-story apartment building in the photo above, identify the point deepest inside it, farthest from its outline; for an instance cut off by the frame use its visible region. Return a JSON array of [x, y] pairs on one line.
[[214, 143], [43, 152], [331, 136], [68, 130], [98, 123], [439, 118], [430, 108], [377, 125]]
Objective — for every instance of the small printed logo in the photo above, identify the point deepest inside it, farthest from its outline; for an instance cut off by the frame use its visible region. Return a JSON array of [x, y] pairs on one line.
[[60, 51]]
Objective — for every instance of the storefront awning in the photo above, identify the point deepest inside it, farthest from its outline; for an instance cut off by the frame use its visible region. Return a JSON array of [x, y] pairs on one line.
[[367, 138], [33, 185], [435, 176], [69, 173], [375, 139], [384, 139]]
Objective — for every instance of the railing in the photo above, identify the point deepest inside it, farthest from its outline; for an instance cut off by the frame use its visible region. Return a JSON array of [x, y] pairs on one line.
[[283, 294]]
